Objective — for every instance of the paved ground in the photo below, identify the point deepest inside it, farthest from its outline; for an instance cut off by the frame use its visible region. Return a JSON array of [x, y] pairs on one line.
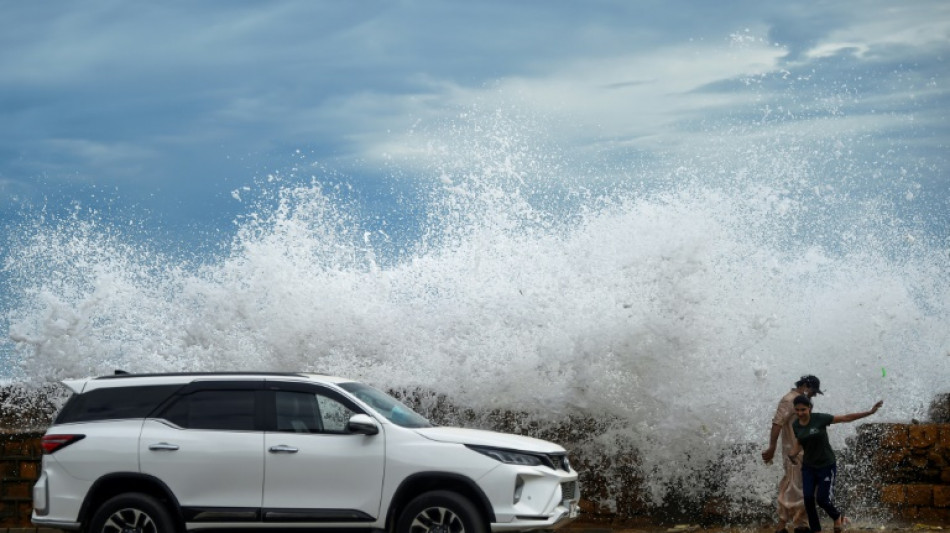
[[633, 527], [586, 527]]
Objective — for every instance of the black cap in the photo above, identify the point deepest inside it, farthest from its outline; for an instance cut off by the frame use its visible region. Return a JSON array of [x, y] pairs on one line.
[[812, 382]]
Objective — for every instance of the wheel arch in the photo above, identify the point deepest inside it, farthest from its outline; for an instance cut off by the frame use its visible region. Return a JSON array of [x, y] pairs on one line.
[[117, 483], [422, 482]]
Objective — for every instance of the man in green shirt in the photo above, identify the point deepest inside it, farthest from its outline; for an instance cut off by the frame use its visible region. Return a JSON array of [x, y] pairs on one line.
[[819, 468]]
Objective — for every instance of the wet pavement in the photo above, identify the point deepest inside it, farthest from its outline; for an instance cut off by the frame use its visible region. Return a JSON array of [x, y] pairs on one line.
[[645, 527]]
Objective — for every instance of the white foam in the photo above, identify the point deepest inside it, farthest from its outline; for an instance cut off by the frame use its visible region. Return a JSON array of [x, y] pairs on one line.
[[683, 308]]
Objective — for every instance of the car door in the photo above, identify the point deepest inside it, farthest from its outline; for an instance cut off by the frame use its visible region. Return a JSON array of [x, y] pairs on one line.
[[315, 470], [207, 446]]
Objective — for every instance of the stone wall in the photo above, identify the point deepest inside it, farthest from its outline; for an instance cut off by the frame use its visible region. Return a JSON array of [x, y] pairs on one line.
[[20, 456], [901, 469], [914, 461]]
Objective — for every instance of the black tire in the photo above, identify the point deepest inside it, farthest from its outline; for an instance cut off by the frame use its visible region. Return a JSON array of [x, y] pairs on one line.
[[133, 511], [441, 511]]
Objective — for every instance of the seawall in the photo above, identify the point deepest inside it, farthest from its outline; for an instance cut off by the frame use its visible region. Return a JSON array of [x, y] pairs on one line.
[[898, 471]]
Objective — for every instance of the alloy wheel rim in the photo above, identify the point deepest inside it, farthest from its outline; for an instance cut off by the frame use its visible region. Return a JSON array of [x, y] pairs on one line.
[[437, 520], [129, 520]]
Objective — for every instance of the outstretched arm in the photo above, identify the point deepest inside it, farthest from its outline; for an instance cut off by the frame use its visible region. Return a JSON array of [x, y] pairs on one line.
[[856, 416]]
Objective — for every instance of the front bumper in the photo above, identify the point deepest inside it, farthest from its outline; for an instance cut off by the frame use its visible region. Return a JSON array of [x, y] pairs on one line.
[[564, 514], [532, 498]]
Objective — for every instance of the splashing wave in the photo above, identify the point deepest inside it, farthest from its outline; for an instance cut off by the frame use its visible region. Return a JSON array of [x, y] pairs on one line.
[[682, 308]]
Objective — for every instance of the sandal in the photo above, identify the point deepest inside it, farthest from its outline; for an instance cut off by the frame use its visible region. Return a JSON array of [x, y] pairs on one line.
[[845, 521]]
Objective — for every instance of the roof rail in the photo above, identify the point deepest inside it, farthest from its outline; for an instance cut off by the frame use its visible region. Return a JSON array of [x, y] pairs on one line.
[[124, 374]]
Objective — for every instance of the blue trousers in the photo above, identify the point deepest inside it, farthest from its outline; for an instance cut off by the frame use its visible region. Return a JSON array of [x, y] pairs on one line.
[[818, 487]]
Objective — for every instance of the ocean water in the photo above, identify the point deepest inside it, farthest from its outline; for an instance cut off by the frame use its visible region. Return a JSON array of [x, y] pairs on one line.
[[679, 295]]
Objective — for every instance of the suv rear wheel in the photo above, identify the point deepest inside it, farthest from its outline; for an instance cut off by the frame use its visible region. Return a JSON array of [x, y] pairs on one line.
[[440, 512], [131, 513]]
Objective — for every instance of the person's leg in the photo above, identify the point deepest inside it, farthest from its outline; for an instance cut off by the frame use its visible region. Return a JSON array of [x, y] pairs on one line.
[[779, 505], [795, 501], [789, 502], [808, 492], [826, 492]]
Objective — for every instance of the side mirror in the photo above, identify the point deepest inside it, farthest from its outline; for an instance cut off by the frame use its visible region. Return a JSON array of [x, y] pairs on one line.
[[363, 424]]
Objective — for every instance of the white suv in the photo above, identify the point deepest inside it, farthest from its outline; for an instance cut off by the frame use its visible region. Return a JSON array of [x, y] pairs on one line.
[[157, 453]]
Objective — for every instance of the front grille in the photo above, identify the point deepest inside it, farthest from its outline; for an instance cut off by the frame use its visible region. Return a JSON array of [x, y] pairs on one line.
[[568, 490]]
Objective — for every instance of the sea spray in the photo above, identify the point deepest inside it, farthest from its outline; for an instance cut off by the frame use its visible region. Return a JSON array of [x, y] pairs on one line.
[[669, 307]]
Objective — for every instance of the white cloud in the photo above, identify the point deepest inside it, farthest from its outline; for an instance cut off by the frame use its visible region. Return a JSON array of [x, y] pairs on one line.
[[99, 154], [911, 24], [635, 96], [369, 86]]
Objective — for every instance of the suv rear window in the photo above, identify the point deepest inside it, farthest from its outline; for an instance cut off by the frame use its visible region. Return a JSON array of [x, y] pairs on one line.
[[114, 403]]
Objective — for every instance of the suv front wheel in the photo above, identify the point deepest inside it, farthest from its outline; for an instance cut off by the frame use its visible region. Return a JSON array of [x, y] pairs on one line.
[[440, 512], [131, 513]]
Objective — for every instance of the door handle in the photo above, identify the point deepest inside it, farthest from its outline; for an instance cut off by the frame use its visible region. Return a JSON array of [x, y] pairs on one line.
[[163, 446], [283, 448]]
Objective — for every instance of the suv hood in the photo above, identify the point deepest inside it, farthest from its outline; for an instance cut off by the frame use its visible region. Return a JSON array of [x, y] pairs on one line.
[[481, 437]]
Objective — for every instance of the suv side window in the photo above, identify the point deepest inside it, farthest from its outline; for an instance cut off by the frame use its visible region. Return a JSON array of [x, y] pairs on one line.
[[214, 409], [308, 412], [335, 414], [114, 403]]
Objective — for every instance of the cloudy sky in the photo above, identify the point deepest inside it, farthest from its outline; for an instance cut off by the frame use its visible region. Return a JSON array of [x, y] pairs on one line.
[[168, 107]]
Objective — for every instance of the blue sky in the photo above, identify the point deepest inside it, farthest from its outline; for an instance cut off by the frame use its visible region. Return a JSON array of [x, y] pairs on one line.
[[165, 108], [811, 129]]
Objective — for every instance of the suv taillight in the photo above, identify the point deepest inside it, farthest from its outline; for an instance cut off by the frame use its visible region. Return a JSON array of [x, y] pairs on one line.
[[51, 443]]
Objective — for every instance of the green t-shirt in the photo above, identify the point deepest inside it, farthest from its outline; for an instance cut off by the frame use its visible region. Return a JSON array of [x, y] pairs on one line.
[[814, 440]]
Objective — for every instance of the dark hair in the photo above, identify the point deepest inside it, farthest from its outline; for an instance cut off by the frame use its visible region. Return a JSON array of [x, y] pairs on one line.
[[812, 382], [801, 399]]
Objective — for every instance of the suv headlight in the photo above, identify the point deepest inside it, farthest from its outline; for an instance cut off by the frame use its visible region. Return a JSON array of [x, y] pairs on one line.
[[510, 457]]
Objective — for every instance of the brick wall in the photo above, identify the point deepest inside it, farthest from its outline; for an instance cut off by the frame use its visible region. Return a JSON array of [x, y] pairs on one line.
[[913, 462], [20, 456]]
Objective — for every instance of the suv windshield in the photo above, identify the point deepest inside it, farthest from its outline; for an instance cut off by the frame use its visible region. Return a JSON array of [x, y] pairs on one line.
[[387, 406]]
